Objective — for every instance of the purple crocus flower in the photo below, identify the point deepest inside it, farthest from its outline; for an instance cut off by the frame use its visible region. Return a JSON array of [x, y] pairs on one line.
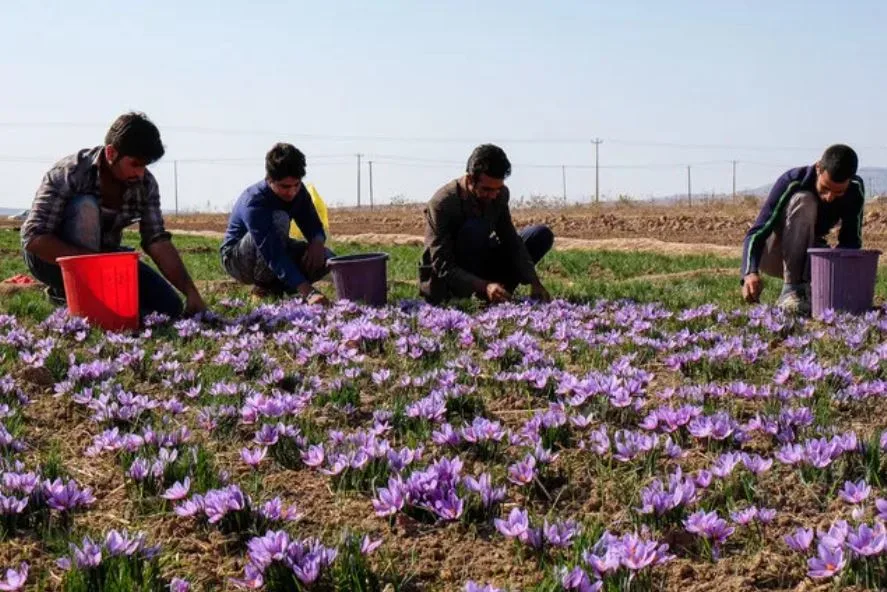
[[190, 507], [801, 539], [89, 555], [484, 486], [560, 534], [636, 553], [881, 505], [756, 463], [828, 562], [367, 545], [855, 493], [390, 500], [766, 515], [67, 497], [275, 510], [515, 526], [578, 580], [253, 457], [313, 457], [121, 543], [15, 578], [703, 478], [745, 516], [709, 526], [178, 490], [138, 470], [836, 534], [12, 505], [523, 472], [725, 464], [867, 541], [472, 586], [179, 585], [448, 506]]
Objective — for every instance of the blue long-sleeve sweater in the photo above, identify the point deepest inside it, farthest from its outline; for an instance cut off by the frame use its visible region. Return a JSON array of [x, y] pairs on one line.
[[254, 213], [846, 209]]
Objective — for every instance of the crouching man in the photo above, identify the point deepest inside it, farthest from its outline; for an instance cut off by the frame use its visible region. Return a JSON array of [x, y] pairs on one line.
[[257, 250], [471, 244], [87, 199], [802, 208]]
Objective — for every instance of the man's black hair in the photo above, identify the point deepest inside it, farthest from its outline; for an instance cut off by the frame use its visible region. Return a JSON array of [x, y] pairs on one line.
[[490, 160], [840, 162], [134, 135], [284, 160]]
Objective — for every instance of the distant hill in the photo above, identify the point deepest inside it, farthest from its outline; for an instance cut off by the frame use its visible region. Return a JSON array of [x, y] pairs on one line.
[[875, 179]]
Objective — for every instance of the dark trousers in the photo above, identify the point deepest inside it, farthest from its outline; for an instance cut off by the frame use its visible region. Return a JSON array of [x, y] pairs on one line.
[[480, 252], [81, 227]]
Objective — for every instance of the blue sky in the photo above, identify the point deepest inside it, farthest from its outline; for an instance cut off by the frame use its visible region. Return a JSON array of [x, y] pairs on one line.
[[415, 85]]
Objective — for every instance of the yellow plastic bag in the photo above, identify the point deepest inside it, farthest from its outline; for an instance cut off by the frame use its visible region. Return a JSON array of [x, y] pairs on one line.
[[322, 213]]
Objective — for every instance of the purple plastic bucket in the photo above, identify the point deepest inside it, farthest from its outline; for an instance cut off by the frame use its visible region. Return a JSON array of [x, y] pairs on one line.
[[361, 278], [842, 279]]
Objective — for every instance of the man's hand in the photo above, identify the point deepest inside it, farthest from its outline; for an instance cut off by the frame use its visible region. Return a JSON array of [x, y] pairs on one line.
[[194, 303], [314, 259], [497, 293], [538, 292], [312, 295], [752, 287]]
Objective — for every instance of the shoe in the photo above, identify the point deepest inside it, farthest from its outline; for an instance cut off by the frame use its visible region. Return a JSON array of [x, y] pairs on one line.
[[795, 303], [55, 297]]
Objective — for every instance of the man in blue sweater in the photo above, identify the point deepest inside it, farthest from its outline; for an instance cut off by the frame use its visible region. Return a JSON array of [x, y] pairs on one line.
[[257, 249], [802, 208]]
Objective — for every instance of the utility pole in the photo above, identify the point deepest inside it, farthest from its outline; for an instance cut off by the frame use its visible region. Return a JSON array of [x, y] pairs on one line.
[[564, 179], [734, 180], [371, 183], [175, 176], [597, 178], [689, 187], [358, 178]]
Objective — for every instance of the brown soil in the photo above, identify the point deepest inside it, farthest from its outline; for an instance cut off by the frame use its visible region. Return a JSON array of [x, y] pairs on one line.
[[636, 226]]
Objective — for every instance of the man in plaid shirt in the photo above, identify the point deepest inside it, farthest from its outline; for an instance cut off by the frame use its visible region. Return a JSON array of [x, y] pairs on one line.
[[86, 200]]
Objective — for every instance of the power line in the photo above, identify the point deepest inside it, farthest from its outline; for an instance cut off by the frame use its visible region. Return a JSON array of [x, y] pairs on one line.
[[433, 139]]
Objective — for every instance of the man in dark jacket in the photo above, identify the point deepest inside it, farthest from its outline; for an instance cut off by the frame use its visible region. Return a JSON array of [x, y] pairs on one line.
[[471, 244], [802, 208], [257, 249]]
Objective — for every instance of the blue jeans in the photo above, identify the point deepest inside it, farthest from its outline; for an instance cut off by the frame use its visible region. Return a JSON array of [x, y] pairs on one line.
[[245, 263], [81, 227]]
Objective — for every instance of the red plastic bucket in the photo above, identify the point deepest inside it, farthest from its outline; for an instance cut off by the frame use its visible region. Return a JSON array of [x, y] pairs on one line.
[[842, 279], [361, 278], [103, 288]]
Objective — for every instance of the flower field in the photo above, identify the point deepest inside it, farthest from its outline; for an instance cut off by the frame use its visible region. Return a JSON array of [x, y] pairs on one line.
[[603, 446]]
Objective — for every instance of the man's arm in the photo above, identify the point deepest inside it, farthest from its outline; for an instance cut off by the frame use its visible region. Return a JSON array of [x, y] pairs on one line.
[[515, 246], [756, 237], [850, 235], [45, 217], [170, 264], [259, 222], [306, 217], [157, 243], [439, 239]]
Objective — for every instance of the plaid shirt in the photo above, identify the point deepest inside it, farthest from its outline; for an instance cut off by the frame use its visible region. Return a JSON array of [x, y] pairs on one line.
[[78, 174]]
